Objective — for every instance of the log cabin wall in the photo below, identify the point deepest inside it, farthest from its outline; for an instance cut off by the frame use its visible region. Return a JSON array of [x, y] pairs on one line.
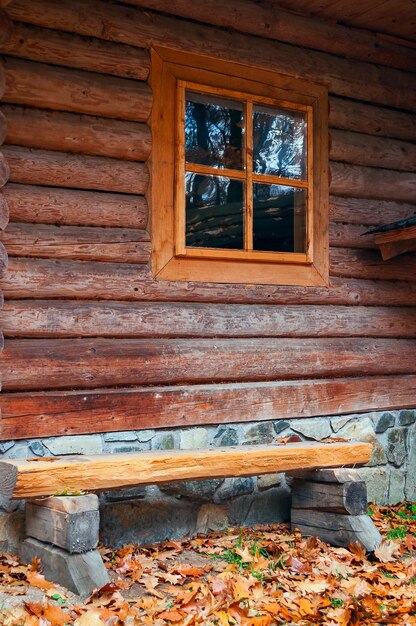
[[95, 344]]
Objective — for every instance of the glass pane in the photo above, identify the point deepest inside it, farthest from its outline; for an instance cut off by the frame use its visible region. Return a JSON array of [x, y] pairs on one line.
[[279, 219], [213, 131], [214, 212], [279, 142]]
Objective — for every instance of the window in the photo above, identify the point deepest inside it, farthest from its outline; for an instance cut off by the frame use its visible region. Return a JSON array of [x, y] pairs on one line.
[[239, 174]]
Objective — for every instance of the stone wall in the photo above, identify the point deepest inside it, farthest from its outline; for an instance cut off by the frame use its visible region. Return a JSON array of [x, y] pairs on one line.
[[149, 514]]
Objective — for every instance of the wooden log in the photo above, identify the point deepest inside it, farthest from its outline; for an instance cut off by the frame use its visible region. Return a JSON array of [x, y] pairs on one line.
[[23, 479], [338, 475], [77, 242], [369, 182], [4, 212], [350, 236], [372, 120], [3, 260], [80, 134], [99, 362], [59, 48], [394, 248], [44, 278], [339, 530], [273, 22], [345, 498], [50, 318], [52, 205], [53, 413], [360, 149], [369, 264], [60, 169], [4, 168], [367, 211], [6, 27], [345, 78], [3, 128], [76, 91], [72, 524]]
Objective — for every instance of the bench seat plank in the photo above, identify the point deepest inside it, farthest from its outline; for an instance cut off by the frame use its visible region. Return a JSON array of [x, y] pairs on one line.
[[28, 479]]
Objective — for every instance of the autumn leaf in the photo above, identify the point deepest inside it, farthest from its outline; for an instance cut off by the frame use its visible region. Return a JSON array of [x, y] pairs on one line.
[[386, 550], [90, 618], [37, 580], [357, 551], [171, 616]]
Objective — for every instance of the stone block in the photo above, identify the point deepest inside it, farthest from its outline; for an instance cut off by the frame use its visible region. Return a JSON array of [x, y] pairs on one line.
[[37, 448], [410, 489], [193, 489], [163, 441], [80, 573], [193, 438], [225, 437], [18, 451], [233, 487], [261, 433], [316, 428], [280, 425], [384, 421], [12, 530], [396, 487], [119, 495], [338, 422], [125, 435], [212, 517], [145, 435], [266, 481], [148, 521], [267, 507], [396, 446], [5, 446], [74, 444], [407, 417], [377, 483], [115, 447], [362, 429]]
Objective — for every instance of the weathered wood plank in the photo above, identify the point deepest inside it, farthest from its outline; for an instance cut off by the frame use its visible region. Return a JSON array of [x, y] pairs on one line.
[[77, 242], [349, 497], [350, 236], [367, 211], [345, 78], [60, 169], [111, 471], [59, 48], [51, 318], [337, 475], [339, 530], [272, 22], [80, 134], [54, 205], [4, 168], [370, 182], [43, 414], [76, 91], [99, 362], [369, 264], [360, 149], [372, 120], [44, 278], [4, 211], [6, 27]]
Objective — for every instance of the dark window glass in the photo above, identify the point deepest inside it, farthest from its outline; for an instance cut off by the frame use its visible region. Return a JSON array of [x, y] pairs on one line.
[[279, 142], [214, 212], [279, 218], [214, 131]]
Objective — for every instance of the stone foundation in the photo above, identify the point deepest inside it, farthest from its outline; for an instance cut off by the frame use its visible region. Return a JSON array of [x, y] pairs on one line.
[[150, 514]]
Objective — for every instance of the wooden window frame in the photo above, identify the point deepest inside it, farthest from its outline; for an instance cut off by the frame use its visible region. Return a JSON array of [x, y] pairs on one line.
[[171, 72]]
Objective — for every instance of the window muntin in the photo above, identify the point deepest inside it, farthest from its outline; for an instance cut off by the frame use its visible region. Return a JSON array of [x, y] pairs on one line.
[[244, 176]]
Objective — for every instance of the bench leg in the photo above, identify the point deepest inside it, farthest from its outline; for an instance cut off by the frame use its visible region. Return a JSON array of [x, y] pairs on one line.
[[332, 505], [63, 532]]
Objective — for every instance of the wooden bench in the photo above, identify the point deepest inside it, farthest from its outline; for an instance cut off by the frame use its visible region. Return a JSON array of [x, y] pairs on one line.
[[63, 530]]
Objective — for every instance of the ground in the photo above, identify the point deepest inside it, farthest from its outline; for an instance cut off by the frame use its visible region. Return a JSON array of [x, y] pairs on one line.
[[250, 577]]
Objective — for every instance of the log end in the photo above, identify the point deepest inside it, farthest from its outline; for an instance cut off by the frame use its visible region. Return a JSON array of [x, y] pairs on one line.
[[8, 479]]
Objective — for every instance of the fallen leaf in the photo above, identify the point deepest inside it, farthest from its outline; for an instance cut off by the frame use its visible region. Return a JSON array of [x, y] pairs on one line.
[[386, 550]]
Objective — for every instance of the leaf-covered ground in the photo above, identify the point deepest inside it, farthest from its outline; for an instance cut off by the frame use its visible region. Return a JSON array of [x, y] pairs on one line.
[[257, 577]]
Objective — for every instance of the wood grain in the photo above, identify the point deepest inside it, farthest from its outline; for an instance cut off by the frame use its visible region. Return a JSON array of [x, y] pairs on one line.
[[369, 264], [54, 205], [69, 50], [77, 242], [76, 91], [93, 473], [79, 134], [47, 278], [60, 169], [51, 318], [114, 23], [4, 211], [86, 363], [368, 211], [43, 414], [370, 182], [345, 498]]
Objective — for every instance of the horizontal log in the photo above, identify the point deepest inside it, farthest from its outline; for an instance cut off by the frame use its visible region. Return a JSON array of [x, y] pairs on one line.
[[369, 264], [60, 169], [52, 205], [4, 168], [348, 497], [6, 27], [4, 211], [23, 479], [44, 414], [3, 260], [367, 211], [77, 242], [372, 120], [345, 78], [44, 278], [94, 55], [350, 236], [361, 149], [339, 530], [81, 134], [51, 318], [3, 128], [86, 363], [370, 182], [76, 91], [272, 22]]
